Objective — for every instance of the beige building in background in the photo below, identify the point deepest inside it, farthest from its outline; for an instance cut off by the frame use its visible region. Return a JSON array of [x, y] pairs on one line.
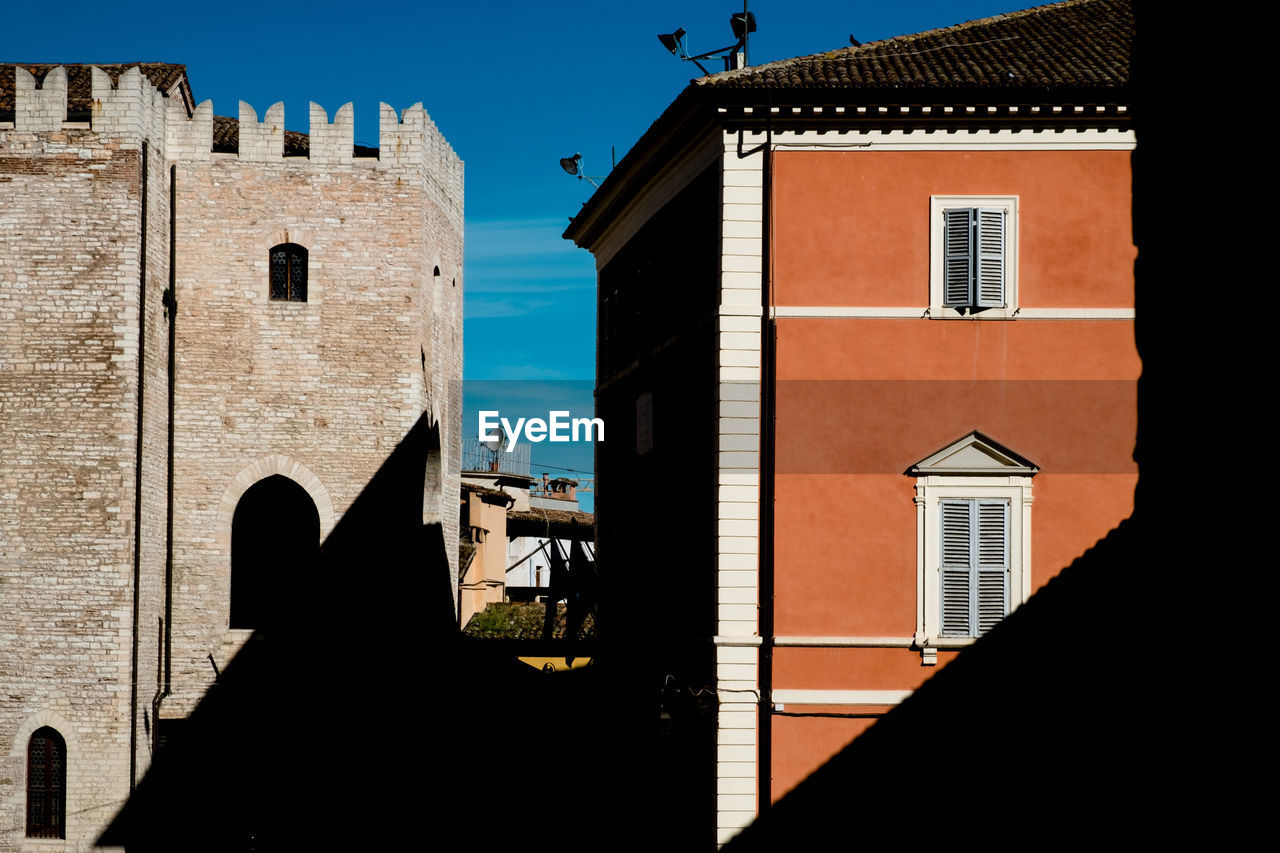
[[198, 315]]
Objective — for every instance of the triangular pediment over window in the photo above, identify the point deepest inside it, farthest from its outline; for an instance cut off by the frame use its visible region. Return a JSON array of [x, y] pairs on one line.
[[975, 453]]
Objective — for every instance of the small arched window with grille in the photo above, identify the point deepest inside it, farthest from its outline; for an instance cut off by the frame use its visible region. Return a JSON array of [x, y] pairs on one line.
[[46, 784], [289, 272]]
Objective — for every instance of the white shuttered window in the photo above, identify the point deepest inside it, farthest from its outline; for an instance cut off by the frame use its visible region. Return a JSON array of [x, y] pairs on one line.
[[973, 540], [974, 265], [973, 257], [974, 570]]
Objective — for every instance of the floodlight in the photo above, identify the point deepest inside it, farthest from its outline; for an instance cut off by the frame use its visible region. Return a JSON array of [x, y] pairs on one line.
[[573, 168], [571, 164], [735, 55], [674, 42]]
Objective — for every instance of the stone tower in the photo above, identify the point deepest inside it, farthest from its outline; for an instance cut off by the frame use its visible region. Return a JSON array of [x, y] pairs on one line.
[[198, 315]]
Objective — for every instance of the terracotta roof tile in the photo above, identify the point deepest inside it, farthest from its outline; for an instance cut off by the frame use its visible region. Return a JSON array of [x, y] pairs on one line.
[[1078, 43], [553, 516], [1061, 53], [485, 490], [226, 138], [163, 75]]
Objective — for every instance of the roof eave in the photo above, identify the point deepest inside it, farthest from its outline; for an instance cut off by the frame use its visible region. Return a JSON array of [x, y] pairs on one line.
[[681, 122], [675, 125]]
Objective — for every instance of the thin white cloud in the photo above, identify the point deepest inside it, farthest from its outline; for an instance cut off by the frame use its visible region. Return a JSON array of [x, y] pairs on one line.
[[525, 256], [485, 308], [520, 238]]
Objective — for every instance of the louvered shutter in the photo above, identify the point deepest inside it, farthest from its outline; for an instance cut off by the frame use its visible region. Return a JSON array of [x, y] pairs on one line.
[[990, 257], [958, 250], [992, 570], [974, 551], [956, 593]]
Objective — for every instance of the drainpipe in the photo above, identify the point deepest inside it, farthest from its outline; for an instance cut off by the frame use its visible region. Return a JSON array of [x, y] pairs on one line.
[[171, 306], [137, 480], [171, 314]]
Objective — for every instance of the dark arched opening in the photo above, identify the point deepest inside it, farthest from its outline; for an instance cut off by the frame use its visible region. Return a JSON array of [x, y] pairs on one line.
[[46, 785], [275, 538]]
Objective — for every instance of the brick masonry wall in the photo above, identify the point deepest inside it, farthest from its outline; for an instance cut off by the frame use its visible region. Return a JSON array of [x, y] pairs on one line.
[[320, 391], [327, 386], [69, 288]]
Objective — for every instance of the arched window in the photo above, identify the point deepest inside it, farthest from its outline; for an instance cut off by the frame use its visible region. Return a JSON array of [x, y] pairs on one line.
[[46, 785], [289, 272], [275, 538]]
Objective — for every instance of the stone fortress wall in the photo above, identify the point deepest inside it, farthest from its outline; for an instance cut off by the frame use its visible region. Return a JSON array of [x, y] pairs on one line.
[[133, 258]]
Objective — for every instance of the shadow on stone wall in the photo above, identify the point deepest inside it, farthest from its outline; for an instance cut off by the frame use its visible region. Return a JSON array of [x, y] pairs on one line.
[[369, 723], [363, 719]]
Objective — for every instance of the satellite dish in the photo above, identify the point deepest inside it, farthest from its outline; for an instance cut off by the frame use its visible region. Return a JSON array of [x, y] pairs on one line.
[[495, 444]]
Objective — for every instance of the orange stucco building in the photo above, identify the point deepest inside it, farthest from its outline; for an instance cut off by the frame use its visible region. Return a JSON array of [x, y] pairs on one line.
[[867, 385], [875, 307]]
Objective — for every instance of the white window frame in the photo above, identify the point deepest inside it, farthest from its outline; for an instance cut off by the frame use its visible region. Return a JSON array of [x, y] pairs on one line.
[[931, 490], [937, 256], [974, 467]]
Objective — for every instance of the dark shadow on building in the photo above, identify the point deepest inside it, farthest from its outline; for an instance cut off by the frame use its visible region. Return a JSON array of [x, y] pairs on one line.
[[274, 536], [365, 721], [1073, 721], [362, 719]]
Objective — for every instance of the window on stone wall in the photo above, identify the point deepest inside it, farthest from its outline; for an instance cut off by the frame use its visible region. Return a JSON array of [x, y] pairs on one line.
[[289, 272], [46, 785]]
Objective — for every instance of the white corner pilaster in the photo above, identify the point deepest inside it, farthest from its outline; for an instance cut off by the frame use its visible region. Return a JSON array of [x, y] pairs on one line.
[[738, 499]]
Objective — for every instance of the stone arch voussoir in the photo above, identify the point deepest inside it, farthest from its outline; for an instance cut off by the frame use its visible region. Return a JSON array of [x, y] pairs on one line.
[[270, 466]]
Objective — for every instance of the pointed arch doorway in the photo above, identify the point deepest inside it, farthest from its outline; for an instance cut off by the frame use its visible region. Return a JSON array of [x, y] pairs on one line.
[[275, 539]]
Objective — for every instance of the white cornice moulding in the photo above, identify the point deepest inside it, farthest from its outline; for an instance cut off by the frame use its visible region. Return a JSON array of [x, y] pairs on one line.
[[819, 312], [1077, 313], [873, 642], [736, 641], [851, 642], [974, 454], [937, 139], [838, 697]]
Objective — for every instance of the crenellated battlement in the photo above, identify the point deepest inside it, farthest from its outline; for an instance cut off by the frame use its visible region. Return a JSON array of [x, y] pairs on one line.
[[261, 141], [332, 142], [406, 140], [134, 108], [413, 139], [131, 108], [43, 109], [190, 305]]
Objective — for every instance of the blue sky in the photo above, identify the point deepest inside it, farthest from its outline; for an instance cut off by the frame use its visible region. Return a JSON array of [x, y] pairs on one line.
[[513, 86]]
